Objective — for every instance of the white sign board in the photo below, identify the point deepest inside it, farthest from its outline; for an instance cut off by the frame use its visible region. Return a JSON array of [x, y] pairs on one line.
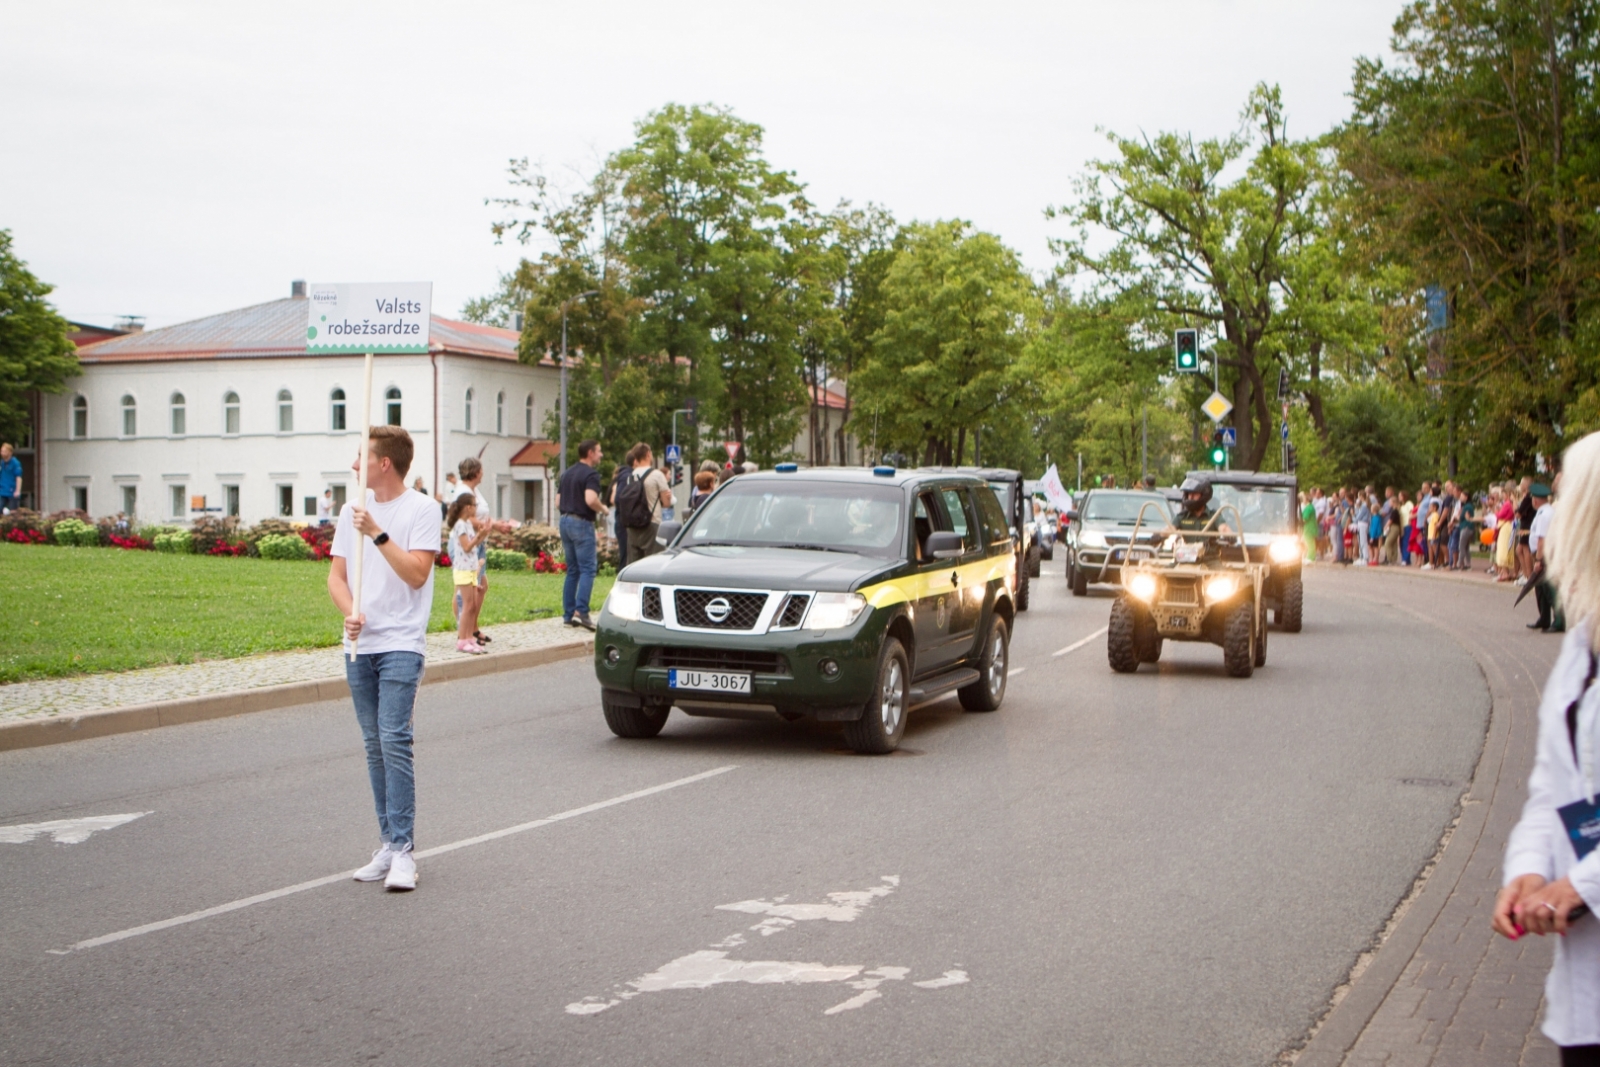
[[1054, 491], [355, 318]]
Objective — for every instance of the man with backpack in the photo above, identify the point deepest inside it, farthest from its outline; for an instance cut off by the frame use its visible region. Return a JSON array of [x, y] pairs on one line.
[[640, 498]]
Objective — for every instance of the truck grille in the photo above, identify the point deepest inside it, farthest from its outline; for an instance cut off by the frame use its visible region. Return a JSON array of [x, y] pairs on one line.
[[793, 610], [1180, 593], [718, 659], [651, 608], [710, 610]]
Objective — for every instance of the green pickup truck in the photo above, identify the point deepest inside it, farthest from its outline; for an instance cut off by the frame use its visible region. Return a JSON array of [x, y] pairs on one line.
[[844, 594]]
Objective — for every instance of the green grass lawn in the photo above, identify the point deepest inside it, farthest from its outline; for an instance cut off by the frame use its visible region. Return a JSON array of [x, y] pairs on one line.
[[77, 610]]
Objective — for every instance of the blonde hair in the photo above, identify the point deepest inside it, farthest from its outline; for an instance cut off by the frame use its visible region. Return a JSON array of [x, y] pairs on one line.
[[1574, 540]]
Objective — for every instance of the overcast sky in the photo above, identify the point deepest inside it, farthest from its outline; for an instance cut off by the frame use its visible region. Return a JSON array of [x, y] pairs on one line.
[[174, 160]]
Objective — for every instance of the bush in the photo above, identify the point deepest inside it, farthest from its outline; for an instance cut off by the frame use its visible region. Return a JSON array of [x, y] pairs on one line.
[[503, 534], [24, 519], [19, 536], [268, 528], [281, 546], [55, 518], [178, 542], [548, 564], [319, 539], [533, 538], [505, 559], [76, 533], [209, 531], [130, 541]]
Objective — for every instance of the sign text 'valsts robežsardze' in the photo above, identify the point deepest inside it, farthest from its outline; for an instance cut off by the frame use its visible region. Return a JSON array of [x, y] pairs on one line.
[[363, 317]]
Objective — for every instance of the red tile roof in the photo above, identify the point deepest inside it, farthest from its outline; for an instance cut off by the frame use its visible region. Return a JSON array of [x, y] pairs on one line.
[[537, 454], [276, 329]]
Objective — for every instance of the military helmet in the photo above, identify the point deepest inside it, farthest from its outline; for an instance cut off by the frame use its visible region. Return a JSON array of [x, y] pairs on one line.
[[1196, 493]]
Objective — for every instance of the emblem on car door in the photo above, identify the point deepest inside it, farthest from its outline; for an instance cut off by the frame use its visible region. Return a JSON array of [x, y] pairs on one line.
[[718, 609]]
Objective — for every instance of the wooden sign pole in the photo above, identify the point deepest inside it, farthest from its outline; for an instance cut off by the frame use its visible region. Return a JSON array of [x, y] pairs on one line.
[[361, 495]]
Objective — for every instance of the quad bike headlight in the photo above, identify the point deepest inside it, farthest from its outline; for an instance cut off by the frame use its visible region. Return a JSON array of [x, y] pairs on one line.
[[1143, 586], [1286, 550], [1221, 587]]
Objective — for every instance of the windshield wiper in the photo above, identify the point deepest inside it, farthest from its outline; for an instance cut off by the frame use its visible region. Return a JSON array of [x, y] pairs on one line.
[[818, 548]]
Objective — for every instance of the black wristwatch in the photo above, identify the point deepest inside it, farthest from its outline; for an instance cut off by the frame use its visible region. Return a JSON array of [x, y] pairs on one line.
[[381, 539]]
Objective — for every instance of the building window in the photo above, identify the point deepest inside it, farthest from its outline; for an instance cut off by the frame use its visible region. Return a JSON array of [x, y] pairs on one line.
[[311, 506], [180, 415], [466, 420], [179, 503], [230, 413], [285, 412], [499, 500], [80, 416], [230, 497], [527, 416], [500, 412], [286, 501], [391, 398], [130, 500], [336, 416], [338, 499], [80, 498], [130, 417]]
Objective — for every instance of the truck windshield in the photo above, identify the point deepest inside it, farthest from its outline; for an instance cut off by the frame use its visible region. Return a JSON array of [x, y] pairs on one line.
[[864, 519], [1124, 508], [1262, 509], [1003, 490]]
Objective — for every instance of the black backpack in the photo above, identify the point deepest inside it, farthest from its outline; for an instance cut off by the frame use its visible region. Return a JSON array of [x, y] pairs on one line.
[[632, 507]]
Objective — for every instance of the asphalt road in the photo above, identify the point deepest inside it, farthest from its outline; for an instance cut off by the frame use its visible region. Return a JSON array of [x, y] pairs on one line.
[[1170, 867]]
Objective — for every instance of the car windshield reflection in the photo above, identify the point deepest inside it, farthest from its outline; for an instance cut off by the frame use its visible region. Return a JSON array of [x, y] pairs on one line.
[[1123, 508], [804, 515], [1262, 509]]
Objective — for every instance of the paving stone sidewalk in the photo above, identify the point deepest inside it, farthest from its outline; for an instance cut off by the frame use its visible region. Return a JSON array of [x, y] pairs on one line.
[[97, 692], [1467, 997]]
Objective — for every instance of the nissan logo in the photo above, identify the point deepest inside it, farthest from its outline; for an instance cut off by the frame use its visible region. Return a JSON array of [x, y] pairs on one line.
[[718, 609]]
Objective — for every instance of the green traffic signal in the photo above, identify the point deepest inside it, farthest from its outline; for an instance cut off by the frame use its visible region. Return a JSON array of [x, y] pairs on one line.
[[1219, 456], [1186, 351]]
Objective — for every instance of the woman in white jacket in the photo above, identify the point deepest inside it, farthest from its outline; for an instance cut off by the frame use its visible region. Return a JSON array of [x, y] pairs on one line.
[[1552, 866]]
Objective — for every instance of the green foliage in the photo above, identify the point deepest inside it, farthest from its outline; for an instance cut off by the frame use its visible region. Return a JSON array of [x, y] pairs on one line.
[[175, 542], [533, 538], [35, 353], [505, 559], [959, 312], [76, 533], [1374, 438], [279, 546]]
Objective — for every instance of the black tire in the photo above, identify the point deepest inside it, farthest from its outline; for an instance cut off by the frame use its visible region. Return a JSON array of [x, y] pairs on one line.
[[1238, 644], [1145, 637], [1047, 552], [1261, 642], [1080, 582], [874, 734], [1122, 649], [1291, 605], [1034, 555], [1023, 581], [634, 722], [993, 666]]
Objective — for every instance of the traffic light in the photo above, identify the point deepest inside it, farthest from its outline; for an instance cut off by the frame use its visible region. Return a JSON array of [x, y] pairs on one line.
[[1186, 351], [1219, 451], [692, 409], [677, 475]]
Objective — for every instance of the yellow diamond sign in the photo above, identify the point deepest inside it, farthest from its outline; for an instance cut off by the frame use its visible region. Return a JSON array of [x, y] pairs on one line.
[[1217, 406]]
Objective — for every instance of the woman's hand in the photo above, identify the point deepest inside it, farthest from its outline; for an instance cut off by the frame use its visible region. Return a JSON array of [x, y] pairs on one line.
[[1545, 910], [1507, 905]]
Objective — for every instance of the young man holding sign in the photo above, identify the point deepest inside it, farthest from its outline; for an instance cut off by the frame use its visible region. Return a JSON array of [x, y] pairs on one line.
[[402, 532]]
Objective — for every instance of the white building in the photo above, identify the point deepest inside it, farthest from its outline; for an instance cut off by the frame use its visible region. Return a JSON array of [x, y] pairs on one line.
[[228, 415]]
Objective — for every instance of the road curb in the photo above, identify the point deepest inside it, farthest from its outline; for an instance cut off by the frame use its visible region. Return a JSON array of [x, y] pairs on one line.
[[1345, 1022], [59, 729]]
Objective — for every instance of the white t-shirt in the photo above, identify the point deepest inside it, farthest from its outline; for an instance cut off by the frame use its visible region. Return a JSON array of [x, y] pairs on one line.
[[397, 615], [324, 509], [1539, 529], [484, 515], [463, 558]]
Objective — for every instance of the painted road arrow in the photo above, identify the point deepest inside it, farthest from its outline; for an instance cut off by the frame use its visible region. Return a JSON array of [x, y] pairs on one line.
[[65, 831]]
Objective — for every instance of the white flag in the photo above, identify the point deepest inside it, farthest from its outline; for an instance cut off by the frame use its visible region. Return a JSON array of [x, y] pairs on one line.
[[1054, 491]]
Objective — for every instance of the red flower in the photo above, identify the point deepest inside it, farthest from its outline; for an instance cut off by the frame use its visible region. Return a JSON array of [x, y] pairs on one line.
[[132, 541]]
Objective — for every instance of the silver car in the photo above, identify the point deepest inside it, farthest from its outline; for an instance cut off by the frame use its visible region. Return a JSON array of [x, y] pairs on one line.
[[1099, 528]]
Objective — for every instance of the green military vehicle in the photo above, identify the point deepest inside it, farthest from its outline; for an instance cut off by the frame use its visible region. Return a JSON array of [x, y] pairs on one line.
[[1008, 489], [842, 594], [1268, 505]]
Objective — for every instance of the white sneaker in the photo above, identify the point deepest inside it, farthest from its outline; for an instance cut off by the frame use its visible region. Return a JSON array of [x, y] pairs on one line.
[[379, 866], [402, 872], [1427, 566]]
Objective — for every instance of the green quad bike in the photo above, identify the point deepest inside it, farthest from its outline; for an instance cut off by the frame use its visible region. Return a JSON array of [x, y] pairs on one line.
[[1197, 585]]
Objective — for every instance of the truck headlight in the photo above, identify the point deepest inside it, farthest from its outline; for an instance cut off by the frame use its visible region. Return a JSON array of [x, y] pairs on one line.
[[1143, 586], [624, 599], [1092, 539], [1286, 550], [830, 611], [1221, 587]]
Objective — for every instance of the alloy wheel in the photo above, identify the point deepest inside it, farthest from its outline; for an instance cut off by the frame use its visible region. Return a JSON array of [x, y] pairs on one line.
[[997, 665], [892, 704]]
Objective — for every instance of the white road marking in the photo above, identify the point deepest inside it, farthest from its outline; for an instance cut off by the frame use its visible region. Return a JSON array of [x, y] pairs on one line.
[[66, 831], [344, 876], [1014, 671], [709, 967], [1079, 644]]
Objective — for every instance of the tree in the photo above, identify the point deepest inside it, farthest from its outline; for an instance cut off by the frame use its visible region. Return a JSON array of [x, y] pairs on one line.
[[959, 310], [1197, 249], [1374, 438], [1474, 160], [35, 352]]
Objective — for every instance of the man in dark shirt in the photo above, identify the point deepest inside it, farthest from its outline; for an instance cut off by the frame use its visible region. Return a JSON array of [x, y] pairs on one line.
[[580, 505]]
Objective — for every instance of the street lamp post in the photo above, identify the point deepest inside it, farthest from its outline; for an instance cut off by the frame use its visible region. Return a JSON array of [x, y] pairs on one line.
[[564, 305]]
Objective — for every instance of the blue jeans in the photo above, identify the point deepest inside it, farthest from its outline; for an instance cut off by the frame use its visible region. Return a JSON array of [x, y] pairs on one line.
[[577, 545], [384, 687]]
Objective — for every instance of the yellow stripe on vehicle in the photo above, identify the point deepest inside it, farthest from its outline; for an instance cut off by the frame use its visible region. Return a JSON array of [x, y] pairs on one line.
[[934, 582]]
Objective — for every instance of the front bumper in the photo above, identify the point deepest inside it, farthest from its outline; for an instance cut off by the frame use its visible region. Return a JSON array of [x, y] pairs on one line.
[[785, 667]]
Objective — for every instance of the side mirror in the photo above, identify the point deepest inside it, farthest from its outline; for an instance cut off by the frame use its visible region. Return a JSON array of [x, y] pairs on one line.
[[942, 545], [1072, 515], [667, 532]]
